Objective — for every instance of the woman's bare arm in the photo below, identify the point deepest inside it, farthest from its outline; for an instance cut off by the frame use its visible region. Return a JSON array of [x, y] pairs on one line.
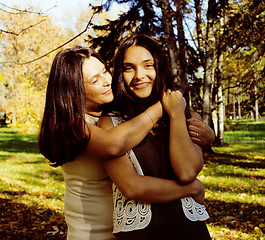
[[149, 189], [146, 188], [106, 144], [185, 156]]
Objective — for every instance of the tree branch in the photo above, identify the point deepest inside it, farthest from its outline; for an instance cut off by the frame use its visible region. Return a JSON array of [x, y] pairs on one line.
[[24, 29], [19, 11], [62, 45]]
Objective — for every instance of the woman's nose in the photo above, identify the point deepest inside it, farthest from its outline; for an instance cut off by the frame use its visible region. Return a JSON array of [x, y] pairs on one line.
[[139, 74], [107, 80]]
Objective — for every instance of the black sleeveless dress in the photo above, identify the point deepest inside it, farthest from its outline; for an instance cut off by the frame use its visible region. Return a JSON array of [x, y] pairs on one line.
[[168, 219]]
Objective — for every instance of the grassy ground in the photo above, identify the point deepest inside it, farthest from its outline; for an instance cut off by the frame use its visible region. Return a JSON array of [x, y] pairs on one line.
[[234, 178], [31, 195]]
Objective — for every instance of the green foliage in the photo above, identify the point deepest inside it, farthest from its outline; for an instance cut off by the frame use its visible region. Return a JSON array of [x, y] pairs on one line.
[[140, 16], [242, 45]]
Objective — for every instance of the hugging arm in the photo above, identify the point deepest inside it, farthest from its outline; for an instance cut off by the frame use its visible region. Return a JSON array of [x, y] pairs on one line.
[[185, 156], [146, 188], [114, 142], [200, 133]]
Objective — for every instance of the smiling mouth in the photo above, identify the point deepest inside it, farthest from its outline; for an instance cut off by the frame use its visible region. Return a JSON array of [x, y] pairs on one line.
[[108, 92], [141, 85]]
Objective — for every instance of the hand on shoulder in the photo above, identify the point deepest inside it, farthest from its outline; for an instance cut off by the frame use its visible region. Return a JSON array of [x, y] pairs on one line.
[[200, 132]]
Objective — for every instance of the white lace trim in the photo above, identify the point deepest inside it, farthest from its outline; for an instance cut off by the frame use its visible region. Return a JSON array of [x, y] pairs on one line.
[[193, 210], [129, 215]]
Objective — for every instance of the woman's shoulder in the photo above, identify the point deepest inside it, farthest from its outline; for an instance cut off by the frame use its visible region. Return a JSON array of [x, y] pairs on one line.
[[110, 120]]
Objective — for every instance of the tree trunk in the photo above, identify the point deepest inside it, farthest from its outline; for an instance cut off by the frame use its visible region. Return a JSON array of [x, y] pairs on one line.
[[256, 106], [221, 115], [170, 36], [220, 104], [209, 73], [234, 106], [251, 115], [199, 29], [220, 94], [182, 43], [238, 107]]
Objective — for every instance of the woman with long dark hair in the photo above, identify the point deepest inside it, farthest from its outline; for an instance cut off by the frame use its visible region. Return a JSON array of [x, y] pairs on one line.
[[79, 85], [141, 78]]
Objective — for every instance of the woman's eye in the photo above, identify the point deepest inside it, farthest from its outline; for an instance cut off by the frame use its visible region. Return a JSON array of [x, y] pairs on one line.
[[128, 68], [94, 80], [149, 65]]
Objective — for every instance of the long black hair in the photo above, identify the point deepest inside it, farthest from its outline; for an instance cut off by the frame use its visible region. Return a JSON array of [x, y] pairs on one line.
[[64, 133], [124, 102]]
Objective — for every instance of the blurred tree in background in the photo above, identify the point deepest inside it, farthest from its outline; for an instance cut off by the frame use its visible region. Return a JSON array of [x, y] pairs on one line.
[[216, 47]]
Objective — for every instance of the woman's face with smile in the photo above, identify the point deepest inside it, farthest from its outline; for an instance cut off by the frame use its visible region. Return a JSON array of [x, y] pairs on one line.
[[138, 71], [97, 84]]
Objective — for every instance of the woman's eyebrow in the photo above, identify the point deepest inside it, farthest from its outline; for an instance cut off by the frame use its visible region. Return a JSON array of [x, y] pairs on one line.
[[127, 63], [97, 74], [146, 60], [149, 59]]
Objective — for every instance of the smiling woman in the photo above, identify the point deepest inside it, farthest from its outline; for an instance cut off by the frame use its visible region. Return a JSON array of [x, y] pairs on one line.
[[78, 86], [97, 84], [142, 76], [139, 71]]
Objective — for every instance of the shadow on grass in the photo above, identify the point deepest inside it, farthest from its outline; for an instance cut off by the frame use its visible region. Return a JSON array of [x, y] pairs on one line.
[[237, 175], [19, 221], [11, 141], [9, 194], [35, 162], [40, 175], [234, 160], [236, 215]]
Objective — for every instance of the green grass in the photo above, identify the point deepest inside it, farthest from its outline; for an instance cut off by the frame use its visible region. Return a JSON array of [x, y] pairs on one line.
[[245, 131], [25, 176], [234, 178]]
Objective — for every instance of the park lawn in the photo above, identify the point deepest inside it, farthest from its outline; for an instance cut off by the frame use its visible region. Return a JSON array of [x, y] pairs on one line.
[[31, 196], [234, 178]]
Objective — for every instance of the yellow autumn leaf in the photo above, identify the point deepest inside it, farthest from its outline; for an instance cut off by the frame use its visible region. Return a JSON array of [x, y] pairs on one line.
[[2, 79], [258, 230], [262, 225]]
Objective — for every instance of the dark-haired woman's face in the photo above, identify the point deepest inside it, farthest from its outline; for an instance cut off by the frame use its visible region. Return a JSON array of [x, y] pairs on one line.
[[138, 71], [97, 84]]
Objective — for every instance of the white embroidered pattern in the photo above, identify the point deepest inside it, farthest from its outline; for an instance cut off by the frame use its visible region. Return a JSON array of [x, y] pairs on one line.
[[193, 210], [129, 215]]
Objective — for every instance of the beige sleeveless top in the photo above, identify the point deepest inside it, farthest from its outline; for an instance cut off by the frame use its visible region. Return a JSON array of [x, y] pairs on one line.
[[88, 200]]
